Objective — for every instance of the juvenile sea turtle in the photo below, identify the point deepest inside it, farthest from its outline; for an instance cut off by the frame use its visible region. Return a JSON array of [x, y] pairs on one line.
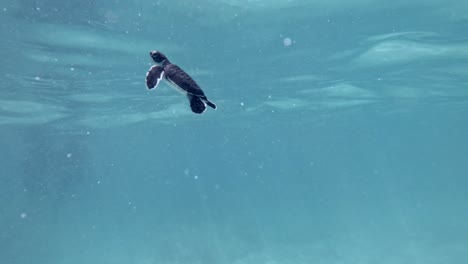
[[179, 80]]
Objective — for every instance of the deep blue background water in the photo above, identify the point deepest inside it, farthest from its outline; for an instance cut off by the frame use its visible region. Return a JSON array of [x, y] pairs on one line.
[[347, 146]]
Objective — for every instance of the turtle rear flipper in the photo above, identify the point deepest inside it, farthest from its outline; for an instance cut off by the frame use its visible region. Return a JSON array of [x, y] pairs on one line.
[[196, 104], [153, 76]]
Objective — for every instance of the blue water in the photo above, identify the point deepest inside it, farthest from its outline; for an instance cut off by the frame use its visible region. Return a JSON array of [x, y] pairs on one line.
[[340, 134]]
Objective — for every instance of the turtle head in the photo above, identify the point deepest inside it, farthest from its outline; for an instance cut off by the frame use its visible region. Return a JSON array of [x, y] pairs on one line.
[[157, 56]]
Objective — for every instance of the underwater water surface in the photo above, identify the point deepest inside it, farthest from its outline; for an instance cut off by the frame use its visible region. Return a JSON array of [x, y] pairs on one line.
[[340, 134]]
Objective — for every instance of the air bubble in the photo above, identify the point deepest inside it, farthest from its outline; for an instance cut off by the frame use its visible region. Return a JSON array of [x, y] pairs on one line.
[[287, 42]]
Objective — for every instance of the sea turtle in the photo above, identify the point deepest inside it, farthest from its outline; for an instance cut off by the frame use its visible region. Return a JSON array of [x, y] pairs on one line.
[[179, 80]]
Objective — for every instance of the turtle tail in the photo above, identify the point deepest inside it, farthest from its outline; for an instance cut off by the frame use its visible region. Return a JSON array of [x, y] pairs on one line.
[[208, 102]]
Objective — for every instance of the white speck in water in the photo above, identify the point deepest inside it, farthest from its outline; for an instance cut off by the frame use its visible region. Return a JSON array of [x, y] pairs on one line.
[[4, 9], [269, 96], [126, 31], [69, 155], [38, 8], [195, 177], [37, 78], [139, 14], [72, 69], [88, 133], [242, 103], [98, 182], [287, 42], [23, 215]]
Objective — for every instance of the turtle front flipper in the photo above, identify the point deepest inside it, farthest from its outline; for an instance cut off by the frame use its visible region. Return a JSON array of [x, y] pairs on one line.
[[153, 76], [196, 104]]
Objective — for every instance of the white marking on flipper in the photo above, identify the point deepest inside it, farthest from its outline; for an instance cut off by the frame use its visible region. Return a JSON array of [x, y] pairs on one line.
[[157, 79]]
